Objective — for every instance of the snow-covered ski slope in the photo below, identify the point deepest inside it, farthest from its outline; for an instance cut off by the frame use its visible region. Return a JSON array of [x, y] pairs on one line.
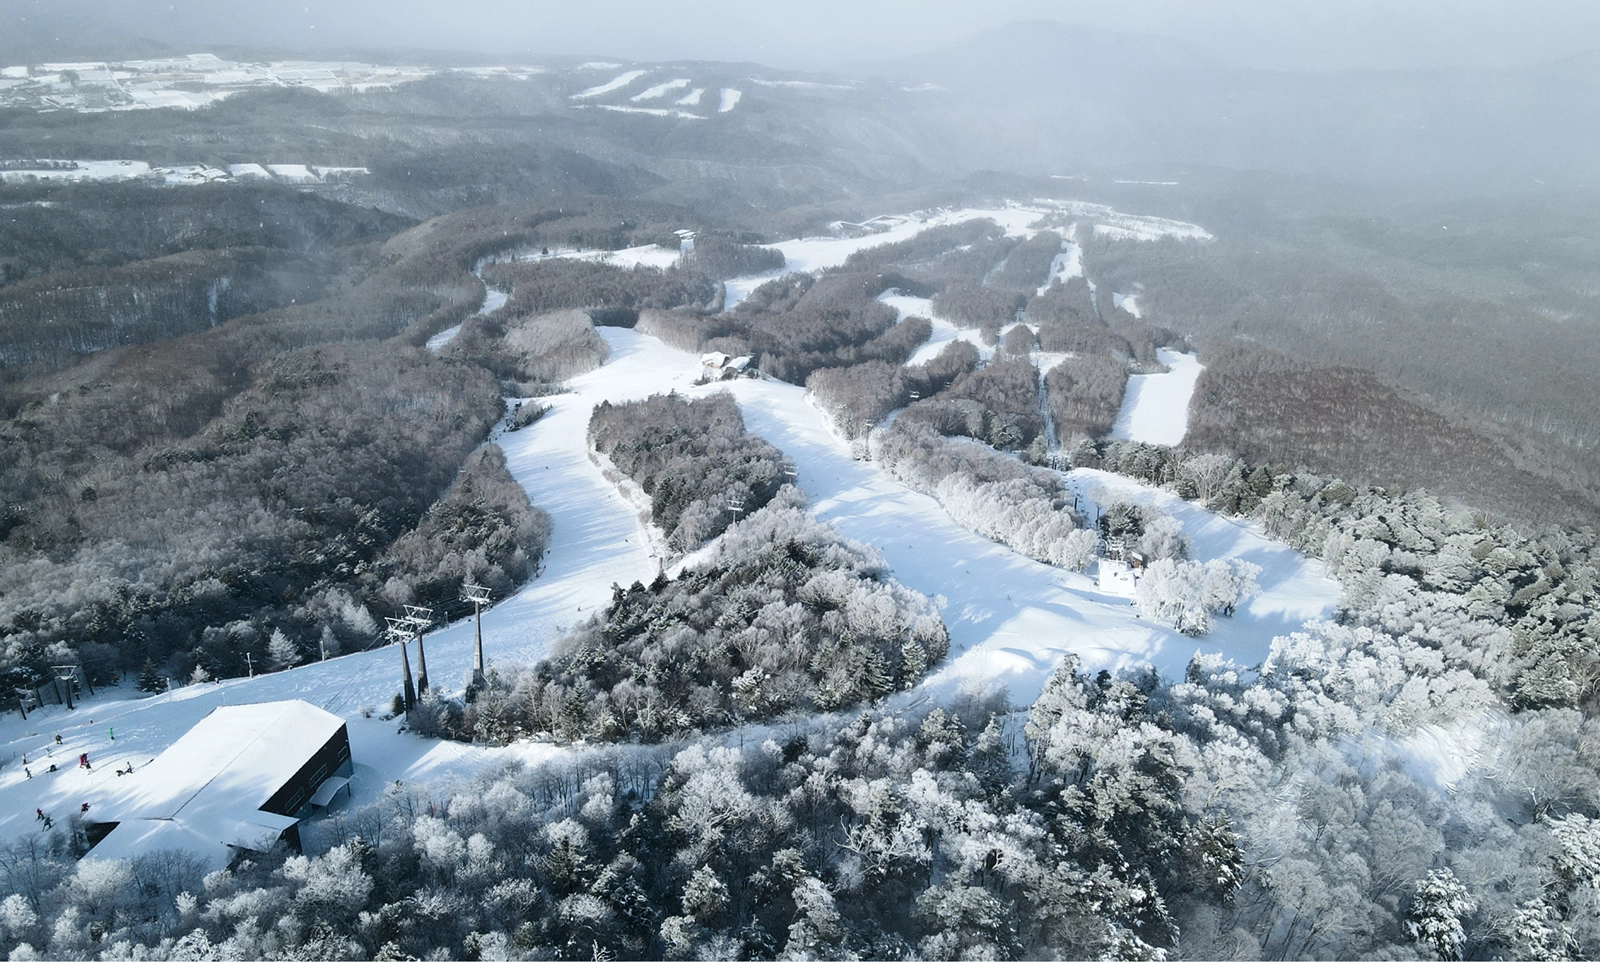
[[1011, 619], [1155, 408]]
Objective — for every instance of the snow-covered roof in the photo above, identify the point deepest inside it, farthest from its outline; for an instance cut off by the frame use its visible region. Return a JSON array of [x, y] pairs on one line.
[[206, 791]]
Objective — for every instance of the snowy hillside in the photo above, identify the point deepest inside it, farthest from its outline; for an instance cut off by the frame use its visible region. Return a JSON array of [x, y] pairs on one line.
[[1011, 619]]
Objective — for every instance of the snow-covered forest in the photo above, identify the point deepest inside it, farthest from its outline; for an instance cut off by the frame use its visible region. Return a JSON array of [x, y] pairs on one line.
[[1019, 592]]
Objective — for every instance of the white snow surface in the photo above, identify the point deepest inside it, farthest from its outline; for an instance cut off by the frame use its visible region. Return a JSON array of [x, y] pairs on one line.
[[943, 331], [1126, 302], [1155, 409], [83, 170], [293, 173], [812, 254], [692, 98], [660, 90], [1067, 265], [652, 111], [730, 99], [799, 84], [493, 300], [616, 83], [647, 255]]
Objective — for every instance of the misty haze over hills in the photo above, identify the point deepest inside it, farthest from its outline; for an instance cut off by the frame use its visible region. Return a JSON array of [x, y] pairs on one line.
[[1040, 96]]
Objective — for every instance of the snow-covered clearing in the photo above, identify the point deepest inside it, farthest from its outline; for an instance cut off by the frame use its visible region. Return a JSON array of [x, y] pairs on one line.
[[81, 170], [1126, 302], [692, 98], [1294, 589], [493, 300], [616, 83], [648, 255], [293, 173], [1067, 265], [177, 175], [652, 111], [812, 254], [730, 99], [660, 90], [943, 331], [1012, 619], [1155, 409], [1109, 220], [799, 84]]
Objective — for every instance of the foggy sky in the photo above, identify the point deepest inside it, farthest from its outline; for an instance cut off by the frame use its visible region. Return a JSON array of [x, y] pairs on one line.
[[1279, 34]]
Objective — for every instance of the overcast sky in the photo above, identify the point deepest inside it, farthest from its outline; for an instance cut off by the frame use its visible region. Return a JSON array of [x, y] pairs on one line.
[[1293, 34]]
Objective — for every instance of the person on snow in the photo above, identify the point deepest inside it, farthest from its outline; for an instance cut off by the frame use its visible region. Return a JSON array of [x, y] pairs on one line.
[[38, 814], [83, 761], [27, 771]]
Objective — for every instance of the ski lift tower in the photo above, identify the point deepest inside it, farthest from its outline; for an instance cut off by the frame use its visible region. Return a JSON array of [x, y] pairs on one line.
[[401, 631], [479, 596], [420, 620], [66, 674]]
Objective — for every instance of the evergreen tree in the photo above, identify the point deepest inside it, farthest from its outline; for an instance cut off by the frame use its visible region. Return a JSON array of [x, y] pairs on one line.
[[281, 652], [149, 680]]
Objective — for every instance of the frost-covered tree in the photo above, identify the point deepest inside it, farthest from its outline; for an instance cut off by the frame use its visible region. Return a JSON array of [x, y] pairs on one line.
[[281, 652], [1189, 593], [1434, 918]]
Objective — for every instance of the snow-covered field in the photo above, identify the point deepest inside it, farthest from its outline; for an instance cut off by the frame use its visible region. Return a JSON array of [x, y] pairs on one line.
[[197, 80], [177, 175], [730, 99], [1155, 408]]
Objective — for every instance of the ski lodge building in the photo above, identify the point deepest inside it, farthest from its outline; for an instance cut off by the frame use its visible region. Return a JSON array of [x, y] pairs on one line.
[[240, 780]]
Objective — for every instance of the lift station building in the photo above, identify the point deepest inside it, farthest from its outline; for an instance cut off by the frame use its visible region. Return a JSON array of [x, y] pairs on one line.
[[240, 780]]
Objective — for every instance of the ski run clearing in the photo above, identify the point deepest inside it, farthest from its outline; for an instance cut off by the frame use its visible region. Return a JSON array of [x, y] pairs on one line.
[[1011, 619], [660, 90], [615, 84], [730, 99], [1155, 408]]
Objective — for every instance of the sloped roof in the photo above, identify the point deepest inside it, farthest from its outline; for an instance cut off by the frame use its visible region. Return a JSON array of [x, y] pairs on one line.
[[205, 792]]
